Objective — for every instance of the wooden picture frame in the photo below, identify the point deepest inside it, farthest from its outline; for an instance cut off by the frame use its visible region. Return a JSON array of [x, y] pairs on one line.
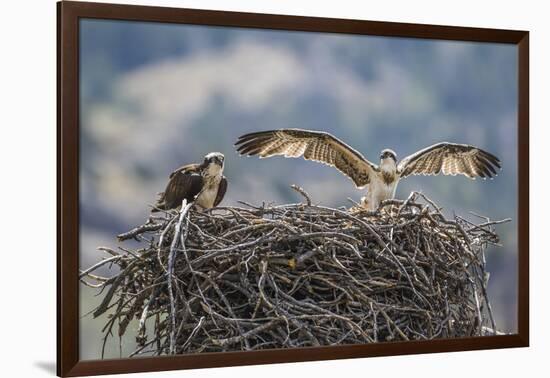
[[69, 14]]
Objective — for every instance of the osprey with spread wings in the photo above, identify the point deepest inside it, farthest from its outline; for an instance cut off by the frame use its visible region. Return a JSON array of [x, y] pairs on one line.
[[380, 180]]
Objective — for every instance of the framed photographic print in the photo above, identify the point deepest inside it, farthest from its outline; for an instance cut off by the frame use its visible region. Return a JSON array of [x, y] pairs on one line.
[[238, 188]]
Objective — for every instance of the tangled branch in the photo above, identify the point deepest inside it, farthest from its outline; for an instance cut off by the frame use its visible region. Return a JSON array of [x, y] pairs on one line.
[[294, 275]]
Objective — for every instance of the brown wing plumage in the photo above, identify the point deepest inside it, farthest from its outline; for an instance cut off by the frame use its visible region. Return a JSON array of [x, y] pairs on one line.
[[184, 183], [312, 145], [450, 159], [222, 188]]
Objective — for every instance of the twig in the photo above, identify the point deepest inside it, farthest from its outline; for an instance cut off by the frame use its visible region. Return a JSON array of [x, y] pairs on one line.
[[171, 260], [302, 192]]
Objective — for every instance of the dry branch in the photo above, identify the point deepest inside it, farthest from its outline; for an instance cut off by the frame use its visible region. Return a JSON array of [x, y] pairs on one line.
[[247, 278]]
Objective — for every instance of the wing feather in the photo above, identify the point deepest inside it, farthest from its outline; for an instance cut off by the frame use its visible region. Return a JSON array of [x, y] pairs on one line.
[[450, 159], [184, 183], [312, 145], [222, 188]]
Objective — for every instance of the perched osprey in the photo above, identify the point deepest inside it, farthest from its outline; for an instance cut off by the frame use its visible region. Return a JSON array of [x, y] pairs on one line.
[[203, 184], [380, 180]]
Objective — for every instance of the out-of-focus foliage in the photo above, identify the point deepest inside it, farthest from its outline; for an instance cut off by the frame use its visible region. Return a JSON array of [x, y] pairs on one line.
[[156, 96]]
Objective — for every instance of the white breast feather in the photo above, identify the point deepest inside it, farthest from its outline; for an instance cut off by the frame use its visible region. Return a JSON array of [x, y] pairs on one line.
[[378, 191], [207, 198]]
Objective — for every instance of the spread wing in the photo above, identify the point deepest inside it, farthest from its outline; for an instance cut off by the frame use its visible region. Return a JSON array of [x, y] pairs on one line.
[[450, 159], [312, 145], [222, 188], [185, 182]]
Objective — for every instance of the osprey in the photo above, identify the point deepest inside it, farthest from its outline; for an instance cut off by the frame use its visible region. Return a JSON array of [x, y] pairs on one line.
[[203, 184], [380, 180]]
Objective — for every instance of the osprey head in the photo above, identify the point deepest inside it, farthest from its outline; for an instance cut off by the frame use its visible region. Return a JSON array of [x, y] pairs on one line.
[[388, 154], [213, 163]]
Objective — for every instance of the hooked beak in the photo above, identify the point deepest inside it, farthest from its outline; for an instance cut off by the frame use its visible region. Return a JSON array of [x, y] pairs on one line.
[[219, 161]]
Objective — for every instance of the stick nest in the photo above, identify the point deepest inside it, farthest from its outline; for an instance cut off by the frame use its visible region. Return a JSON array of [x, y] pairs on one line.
[[296, 275]]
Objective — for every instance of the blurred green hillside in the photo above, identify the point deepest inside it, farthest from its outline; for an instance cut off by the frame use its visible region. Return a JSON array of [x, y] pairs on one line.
[[156, 96]]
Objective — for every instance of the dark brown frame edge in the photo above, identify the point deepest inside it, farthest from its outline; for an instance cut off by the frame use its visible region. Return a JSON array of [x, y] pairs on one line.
[[68, 15]]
